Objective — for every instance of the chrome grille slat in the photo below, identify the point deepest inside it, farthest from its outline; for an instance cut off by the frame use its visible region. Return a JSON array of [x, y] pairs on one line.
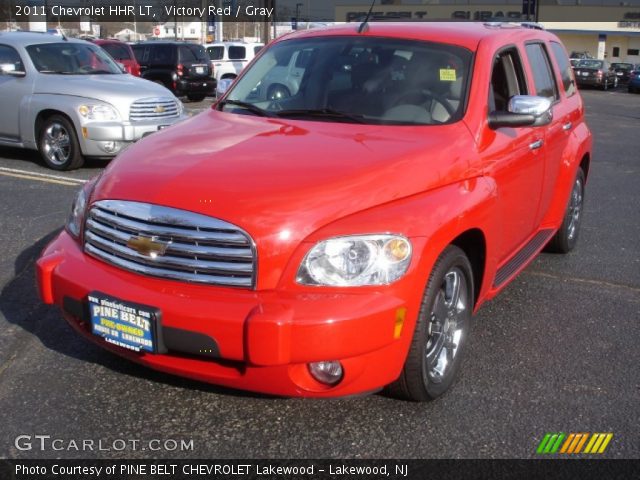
[[183, 248], [168, 260], [170, 274], [146, 109], [134, 226], [200, 249]]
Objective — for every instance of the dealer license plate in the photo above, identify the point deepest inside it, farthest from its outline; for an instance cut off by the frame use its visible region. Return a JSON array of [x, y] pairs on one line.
[[585, 74], [125, 324], [199, 69]]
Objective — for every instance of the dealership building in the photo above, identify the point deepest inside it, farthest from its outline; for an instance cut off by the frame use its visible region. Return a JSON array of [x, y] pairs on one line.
[[604, 28]]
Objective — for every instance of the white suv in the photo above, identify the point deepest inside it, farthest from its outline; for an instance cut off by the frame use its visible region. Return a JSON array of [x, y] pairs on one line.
[[229, 58]]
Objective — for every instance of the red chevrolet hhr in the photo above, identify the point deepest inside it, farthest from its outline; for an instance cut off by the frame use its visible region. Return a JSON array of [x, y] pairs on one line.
[[330, 226]]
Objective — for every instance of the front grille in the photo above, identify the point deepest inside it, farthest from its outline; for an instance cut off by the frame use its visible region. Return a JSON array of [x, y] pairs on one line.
[[153, 109], [199, 248]]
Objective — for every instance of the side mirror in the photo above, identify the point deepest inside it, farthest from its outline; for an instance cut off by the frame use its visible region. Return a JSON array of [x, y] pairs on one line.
[[223, 86], [523, 111], [10, 69]]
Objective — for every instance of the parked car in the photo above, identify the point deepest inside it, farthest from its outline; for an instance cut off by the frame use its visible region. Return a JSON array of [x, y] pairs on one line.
[[634, 80], [595, 73], [121, 53], [576, 57], [623, 71], [181, 67], [337, 240], [69, 100], [229, 58]]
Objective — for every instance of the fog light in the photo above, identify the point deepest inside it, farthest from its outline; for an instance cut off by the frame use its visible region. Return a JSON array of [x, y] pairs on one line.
[[110, 147], [329, 373]]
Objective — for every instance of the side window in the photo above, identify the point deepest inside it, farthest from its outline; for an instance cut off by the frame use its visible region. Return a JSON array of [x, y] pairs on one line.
[[10, 59], [237, 53], [507, 80], [564, 66], [542, 78]]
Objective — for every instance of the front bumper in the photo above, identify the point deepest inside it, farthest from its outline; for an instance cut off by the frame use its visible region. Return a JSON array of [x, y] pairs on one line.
[[93, 135], [263, 340]]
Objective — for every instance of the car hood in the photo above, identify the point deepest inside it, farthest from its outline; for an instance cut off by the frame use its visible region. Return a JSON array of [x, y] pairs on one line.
[[270, 176], [117, 90]]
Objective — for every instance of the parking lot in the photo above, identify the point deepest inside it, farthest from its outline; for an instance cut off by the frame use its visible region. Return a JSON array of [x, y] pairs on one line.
[[557, 351]]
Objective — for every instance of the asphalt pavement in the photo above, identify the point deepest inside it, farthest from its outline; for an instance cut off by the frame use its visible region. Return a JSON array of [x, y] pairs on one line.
[[557, 351]]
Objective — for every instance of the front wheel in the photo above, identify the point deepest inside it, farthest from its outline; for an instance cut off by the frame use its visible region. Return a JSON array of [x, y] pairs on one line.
[[566, 237], [58, 144], [441, 330]]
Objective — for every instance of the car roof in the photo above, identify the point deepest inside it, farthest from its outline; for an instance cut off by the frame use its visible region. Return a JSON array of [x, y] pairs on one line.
[[34, 38], [465, 34]]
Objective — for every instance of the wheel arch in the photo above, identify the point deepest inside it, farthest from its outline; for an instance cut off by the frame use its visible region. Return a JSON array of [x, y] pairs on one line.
[[42, 117], [474, 244]]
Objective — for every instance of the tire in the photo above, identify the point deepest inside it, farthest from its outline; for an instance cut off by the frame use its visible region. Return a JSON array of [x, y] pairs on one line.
[[441, 331], [630, 89], [196, 97], [566, 237], [58, 144]]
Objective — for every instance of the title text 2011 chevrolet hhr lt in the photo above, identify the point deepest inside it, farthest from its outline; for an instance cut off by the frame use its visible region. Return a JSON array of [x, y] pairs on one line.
[[332, 234]]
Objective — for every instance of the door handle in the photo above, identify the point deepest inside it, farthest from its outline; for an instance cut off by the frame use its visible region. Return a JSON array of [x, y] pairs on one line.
[[567, 126], [536, 145]]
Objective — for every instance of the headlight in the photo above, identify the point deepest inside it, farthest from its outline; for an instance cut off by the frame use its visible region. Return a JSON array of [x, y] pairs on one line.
[[356, 261], [98, 112], [79, 207]]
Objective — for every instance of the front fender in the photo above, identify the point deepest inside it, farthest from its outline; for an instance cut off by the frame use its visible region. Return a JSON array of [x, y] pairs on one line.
[[61, 103], [432, 220]]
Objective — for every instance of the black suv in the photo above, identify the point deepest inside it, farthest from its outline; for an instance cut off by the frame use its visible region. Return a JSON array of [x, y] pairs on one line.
[[183, 68]]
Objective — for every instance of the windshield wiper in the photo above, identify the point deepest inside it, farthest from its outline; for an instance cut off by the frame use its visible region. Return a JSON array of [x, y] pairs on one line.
[[56, 72], [249, 106], [321, 113]]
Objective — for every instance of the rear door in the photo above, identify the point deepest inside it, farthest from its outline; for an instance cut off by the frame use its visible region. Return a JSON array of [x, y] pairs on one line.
[[556, 134]]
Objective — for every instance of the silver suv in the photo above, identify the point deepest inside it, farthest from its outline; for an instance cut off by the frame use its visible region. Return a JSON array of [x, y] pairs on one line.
[[69, 100]]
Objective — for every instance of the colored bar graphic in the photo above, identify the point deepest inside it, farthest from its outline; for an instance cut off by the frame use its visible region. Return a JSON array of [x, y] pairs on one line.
[[572, 443], [605, 444], [582, 442], [543, 443]]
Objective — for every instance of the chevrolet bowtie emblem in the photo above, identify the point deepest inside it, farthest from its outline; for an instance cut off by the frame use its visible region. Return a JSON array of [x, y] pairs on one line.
[[159, 109], [148, 246]]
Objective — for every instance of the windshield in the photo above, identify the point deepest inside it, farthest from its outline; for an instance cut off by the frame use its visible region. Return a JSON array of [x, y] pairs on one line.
[[72, 59], [355, 79], [590, 64]]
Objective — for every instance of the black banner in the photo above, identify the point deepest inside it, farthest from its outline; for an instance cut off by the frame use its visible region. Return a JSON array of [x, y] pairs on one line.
[[318, 469], [626, 14]]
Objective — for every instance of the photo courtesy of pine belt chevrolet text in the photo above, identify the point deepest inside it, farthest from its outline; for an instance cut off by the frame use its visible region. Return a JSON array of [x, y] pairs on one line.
[[330, 226]]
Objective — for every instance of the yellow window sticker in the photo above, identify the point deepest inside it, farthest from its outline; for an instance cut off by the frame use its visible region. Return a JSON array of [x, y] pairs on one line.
[[447, 75]]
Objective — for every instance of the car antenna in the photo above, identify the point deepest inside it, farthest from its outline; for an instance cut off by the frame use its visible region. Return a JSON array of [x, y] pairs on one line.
[[364, 26]]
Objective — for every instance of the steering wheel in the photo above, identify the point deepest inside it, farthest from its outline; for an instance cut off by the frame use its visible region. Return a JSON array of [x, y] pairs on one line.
[[426, 96]]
